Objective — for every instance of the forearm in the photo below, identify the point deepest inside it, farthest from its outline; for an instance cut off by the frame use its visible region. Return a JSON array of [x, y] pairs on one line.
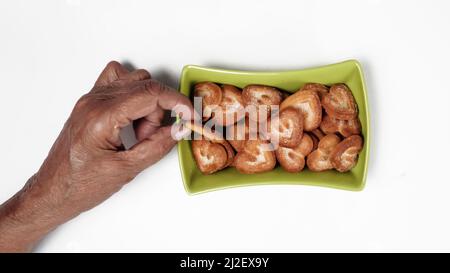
[[25, 219]]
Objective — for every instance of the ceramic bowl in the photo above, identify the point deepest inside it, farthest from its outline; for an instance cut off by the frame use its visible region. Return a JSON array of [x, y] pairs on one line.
[[348, 72]]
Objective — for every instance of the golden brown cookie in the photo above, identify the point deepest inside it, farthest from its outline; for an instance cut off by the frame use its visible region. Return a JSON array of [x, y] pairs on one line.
[[319, 160], [211, 95], [293, 159], [210, 157], [317, 87], [346, 128], [288, 129], [255, 158], [339, 103], [308, 103], [231, 107], [262, 98], [345, 154], [204, 131]]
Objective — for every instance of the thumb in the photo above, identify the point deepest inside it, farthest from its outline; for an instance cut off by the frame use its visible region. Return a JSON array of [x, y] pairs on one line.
[[150, 150]]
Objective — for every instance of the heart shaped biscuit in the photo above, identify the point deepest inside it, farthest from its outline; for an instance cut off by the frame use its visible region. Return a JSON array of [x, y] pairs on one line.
[[255, 157], [308, 103], [319, 160], [345, 154], [293, 159], [346, 128], [262, 98], [211, 95], [288, 128], [317, 87], [231, 108], [339, 103], [210, 157]]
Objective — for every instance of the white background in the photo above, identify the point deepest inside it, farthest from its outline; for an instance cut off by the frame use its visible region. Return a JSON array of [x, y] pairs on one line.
[[52, 51]]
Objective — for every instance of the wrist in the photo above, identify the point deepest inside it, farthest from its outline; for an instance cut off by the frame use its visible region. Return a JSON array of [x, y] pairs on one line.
[[26, 218]]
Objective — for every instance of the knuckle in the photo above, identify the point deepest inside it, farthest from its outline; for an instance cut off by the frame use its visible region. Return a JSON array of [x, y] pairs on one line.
[[82, 102], [127, 170], [153, 87], [121, 111], [131, 156], [132, 161], [143, 74], [113, 64]]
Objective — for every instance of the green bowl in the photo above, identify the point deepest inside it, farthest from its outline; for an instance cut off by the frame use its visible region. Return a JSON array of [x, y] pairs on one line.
[[348, 72]]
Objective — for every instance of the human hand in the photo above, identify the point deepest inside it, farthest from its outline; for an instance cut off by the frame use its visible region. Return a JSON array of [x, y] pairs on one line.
[[87, 163]]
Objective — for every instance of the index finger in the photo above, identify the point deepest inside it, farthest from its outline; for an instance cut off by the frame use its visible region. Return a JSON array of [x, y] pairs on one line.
[[148, 96]]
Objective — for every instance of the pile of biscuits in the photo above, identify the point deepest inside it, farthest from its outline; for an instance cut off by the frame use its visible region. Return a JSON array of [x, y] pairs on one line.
[[318, 126]]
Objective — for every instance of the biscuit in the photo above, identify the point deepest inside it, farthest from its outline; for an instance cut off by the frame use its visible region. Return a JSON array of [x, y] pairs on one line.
[[319, 160], [254, 158], [308, 103], [346, 128], [345, 155], [211, 95], [211, 157], [288, 129], [293, 159], [317, 87], [231, 107], [339, 103], [204, 131], [262, 98]]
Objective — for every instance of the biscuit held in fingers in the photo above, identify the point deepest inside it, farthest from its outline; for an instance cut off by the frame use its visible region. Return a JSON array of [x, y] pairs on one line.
[[319, 160], [210, 157], [317, 87], [288, 129], [308, 103], [345, 154], [346, 128], [293, 159], [231, 108], [262, 98], [211, 95], [204, 131], [255, 158], [339, 102]]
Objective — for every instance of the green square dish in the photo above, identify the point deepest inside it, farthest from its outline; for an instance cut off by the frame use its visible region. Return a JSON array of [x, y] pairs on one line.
[[348, 72]]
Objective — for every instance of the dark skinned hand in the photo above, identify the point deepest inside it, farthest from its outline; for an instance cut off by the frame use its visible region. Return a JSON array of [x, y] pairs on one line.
[[87, 163]]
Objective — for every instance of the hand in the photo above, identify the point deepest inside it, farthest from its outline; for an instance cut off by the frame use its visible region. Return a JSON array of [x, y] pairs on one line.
[[87, 163]]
